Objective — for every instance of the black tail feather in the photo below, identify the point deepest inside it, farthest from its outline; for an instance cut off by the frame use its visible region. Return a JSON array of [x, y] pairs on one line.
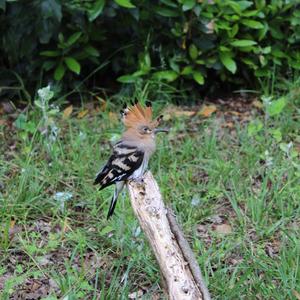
[[112, 207], [118, 189]]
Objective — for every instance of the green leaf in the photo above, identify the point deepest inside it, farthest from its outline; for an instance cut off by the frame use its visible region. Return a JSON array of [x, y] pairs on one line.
[[50, 53], [61, 38], [125, 3], [96, 10], [275, 107], [193, 51], [139, 73], [254, 127], [91, 51], [72, 64], [107, 229], [252, 24], [266, 50], [187, 70], [234, 30], [48, 65], [278, 53], [262, 32], [167, 12], [288, 149], [228, 62], [263, 72], [244, 4], [243, 43], [250, 62], [277, 135], [188, 4], [198, 77], [127, 79], [73, 38], [145, 62], [169, 3], [59, 72], [166, 75], [20, 122]]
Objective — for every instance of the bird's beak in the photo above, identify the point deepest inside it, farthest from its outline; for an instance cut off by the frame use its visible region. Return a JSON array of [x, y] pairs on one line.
[[157, 130]]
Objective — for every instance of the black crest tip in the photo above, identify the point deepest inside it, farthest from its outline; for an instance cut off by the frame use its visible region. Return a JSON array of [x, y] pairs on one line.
[[148, 104]]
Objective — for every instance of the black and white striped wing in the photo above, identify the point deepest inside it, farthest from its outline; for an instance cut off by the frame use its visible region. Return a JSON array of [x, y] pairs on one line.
[[122, 163]]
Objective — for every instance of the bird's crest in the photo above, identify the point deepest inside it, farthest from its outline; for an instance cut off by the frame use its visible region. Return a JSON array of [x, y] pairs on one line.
[[136, 115]]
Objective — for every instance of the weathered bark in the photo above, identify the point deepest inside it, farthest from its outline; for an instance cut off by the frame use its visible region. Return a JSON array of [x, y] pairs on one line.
[[181, 274]]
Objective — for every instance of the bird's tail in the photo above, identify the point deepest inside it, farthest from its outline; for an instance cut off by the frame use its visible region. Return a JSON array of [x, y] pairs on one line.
[[118, 189]]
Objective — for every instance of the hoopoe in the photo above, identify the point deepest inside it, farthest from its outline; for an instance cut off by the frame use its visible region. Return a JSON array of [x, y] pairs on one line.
[[131, 154]]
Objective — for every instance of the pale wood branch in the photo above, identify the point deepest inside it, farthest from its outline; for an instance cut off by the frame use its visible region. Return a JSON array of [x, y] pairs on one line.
[[177, 263]]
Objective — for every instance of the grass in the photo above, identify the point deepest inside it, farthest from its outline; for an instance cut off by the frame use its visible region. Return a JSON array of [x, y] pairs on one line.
[[211, 176]]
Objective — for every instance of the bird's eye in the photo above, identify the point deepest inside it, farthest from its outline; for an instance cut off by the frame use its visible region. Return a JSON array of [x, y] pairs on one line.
[[146, 129]]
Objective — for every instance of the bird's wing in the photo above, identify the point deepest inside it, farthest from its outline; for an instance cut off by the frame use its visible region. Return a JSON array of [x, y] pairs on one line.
[[122, 163]]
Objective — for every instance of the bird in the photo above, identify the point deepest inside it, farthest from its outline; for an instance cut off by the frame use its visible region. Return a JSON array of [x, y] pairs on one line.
[[130, 156]]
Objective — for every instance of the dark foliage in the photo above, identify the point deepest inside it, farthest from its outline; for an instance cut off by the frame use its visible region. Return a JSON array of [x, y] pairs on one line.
[[181, 41]]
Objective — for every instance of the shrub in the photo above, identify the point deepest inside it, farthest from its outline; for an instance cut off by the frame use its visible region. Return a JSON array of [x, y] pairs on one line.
[[178, 41]]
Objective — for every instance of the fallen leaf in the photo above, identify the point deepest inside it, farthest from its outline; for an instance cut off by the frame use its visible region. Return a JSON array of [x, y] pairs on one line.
[[222, 228], [67, 112], [296, 294], [82, 113], [13, 228], [102, 103], [207, 110], [229, 124], [2, 122], [177, 112], [184, 113], [257, 104], [235, 113], [8, 107], [136, 295], [167, 117]]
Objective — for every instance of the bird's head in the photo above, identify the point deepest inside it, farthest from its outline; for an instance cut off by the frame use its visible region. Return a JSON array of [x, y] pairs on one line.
[[138, 121]]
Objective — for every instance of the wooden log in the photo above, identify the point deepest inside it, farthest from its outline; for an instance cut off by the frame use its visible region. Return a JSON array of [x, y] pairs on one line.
[[180, 272]]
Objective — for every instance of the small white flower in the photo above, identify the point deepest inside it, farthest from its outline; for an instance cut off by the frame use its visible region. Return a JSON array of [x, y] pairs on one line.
[[195, 201], [45, 94], [269, 159], [82, 136], [62, 197]]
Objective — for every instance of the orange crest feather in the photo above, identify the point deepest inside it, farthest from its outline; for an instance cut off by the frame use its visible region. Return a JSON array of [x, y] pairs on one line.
[[137, 115]]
